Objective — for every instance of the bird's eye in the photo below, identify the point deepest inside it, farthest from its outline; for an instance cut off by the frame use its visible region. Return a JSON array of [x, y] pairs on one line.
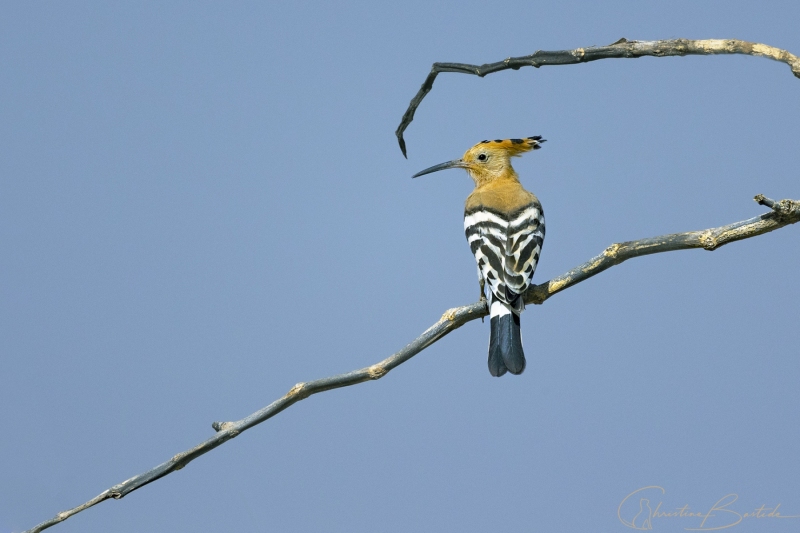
[[482, 157]]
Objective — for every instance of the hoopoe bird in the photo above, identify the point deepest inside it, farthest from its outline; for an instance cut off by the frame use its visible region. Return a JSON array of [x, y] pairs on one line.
[[504, 225]]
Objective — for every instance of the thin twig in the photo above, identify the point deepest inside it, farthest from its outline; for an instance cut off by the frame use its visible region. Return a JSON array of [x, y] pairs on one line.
[[783, 213], [620, 49]]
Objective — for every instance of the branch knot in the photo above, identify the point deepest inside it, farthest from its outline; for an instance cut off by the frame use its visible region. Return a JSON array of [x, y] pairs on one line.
[[297, 390], [787, 211], [450, 315], [222, 426], [708, 240], [377, 371], [611, 251]]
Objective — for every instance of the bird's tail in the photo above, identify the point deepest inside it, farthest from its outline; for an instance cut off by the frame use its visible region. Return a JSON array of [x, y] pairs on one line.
[[505, 342]]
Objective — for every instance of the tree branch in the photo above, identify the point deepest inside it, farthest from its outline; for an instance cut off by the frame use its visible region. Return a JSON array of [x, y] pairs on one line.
[[620, 49], [783, 213]]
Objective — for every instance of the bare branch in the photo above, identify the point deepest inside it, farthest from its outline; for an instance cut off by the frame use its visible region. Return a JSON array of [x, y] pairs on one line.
[[620, 49], [783, 213]]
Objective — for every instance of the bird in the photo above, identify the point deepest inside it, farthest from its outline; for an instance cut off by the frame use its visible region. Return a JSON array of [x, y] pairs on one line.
[[504, 226]]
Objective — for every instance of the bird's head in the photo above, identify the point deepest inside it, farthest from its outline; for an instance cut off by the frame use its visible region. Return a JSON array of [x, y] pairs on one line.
[[489, 160]]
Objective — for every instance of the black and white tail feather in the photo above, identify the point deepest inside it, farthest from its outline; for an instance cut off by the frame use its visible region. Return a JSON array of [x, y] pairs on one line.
[[505, 341]]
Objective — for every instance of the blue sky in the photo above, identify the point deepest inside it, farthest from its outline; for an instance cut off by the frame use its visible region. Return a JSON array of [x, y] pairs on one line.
[[204, 204]]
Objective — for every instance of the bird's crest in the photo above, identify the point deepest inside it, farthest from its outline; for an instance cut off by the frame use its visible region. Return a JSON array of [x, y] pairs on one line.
[[513, 147]]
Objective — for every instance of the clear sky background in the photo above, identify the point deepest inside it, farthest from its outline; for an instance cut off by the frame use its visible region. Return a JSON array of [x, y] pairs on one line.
[[204, 204]]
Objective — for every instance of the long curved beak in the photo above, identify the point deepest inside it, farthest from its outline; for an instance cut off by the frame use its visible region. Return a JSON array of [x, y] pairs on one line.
[[456, 163]]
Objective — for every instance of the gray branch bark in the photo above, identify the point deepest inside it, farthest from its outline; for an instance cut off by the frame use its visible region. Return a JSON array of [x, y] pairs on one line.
[[782, 213], [620, 49]]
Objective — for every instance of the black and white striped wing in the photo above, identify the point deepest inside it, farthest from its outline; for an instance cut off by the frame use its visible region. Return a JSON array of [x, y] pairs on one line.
[[506, 248]]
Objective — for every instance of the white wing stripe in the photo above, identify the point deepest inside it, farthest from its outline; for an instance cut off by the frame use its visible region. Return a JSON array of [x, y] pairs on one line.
[[483, 216], [526, 216]]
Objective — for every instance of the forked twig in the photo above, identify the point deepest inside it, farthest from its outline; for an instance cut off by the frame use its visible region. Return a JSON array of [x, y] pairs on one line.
[[783, 213], [620, 49]]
